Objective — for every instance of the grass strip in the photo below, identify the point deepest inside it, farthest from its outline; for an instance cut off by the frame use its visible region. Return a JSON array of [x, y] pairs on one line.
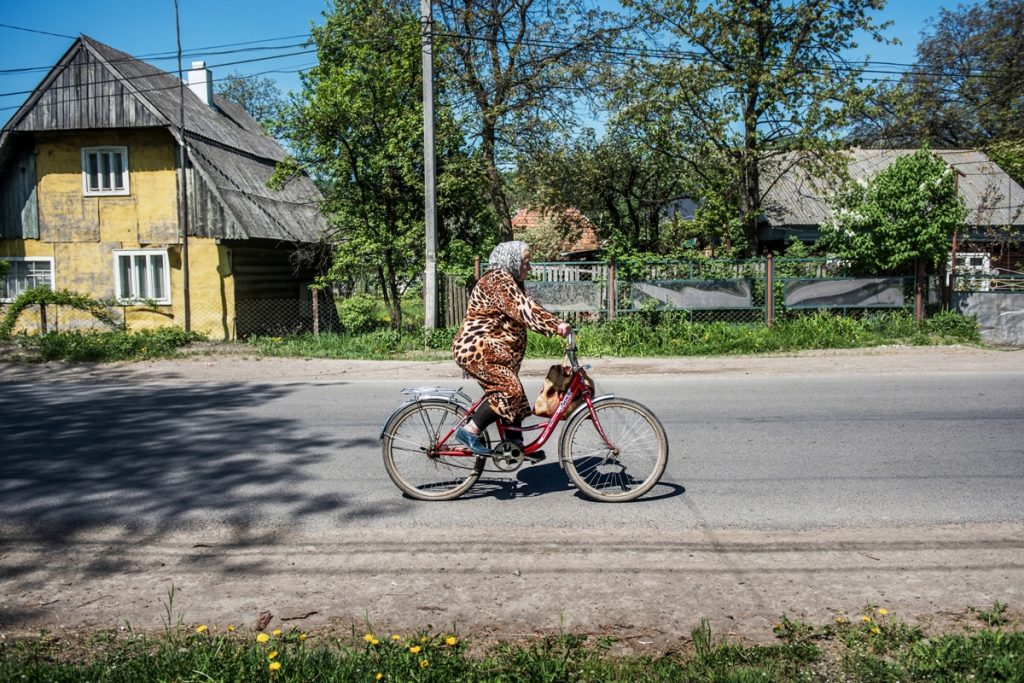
[[874, 647], [658, 334]]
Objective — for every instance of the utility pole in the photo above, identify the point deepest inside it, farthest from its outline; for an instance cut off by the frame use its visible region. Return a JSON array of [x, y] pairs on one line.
[[429, 191], [183, 180]]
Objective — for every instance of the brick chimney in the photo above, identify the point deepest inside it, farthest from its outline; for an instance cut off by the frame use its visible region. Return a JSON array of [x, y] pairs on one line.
[[200, 81]]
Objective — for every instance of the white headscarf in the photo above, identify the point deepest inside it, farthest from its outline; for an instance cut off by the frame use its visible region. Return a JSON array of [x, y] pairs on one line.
[[508, 256]]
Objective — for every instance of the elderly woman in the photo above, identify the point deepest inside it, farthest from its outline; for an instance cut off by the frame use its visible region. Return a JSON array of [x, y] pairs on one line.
[[492, 340]]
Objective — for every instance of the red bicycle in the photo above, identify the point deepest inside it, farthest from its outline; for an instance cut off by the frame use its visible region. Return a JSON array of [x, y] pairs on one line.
[[613, 449]]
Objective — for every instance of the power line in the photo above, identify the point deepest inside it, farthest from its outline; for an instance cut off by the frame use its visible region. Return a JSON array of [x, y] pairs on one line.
[[32, 30], [156, 75]]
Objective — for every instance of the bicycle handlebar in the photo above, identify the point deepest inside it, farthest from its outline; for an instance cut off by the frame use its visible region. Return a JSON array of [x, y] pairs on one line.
[[570, 350]]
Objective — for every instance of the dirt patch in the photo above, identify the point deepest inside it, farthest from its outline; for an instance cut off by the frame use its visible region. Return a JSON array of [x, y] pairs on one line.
[[227, 363], [650, 589]]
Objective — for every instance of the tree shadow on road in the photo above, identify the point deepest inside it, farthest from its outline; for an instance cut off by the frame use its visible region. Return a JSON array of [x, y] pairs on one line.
[[150, 460]]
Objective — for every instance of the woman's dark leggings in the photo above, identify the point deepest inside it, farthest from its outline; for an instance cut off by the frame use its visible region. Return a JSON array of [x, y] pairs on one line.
[[485, 416]]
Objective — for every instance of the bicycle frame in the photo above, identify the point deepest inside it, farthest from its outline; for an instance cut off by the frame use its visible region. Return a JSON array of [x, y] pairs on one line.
[[576, 387]]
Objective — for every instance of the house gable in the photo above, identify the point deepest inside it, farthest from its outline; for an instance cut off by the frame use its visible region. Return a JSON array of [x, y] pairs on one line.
[[84, 91]]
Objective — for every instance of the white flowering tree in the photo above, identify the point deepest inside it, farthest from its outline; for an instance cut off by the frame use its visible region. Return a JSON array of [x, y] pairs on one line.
[[907, 212]]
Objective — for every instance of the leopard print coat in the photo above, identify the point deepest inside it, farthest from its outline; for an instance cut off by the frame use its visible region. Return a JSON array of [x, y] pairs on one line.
[[492, 340]]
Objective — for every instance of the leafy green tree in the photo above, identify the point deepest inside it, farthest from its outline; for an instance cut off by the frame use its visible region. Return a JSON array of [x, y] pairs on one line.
[[259, 97], [1009, 154], [521, 66], [357, 128], [619, 182], [966, 88], [746, 83], [908, 211]]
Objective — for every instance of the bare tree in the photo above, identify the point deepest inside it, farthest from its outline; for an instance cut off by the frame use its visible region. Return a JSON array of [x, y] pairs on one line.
[[522, 68]]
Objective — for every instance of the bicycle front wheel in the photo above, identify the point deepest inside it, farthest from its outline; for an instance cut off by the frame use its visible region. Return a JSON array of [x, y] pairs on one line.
[[411, 456], [626, 465]]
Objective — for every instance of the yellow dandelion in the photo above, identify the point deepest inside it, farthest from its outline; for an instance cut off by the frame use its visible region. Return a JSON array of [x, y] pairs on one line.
[[374, 641], [875, 629], [883, 611], [272, 654], [451, 641], [274, 666], [379, 676], [424, 664], [415, 649], [231, 628], [276, 631], [865, 618], [302, 636], [423, 639], [201, 628], [368, 637], [395, 636], [262, 638]]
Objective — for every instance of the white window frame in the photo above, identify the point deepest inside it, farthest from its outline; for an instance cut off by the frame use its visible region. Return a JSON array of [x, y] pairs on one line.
[[25, 259], [141, 287], [105, 169]]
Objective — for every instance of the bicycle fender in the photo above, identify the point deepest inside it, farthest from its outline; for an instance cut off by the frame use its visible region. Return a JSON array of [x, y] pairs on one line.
[[419, 396]]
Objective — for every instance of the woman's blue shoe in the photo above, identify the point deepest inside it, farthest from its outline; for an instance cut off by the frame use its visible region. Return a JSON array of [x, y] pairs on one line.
[[471, 441]]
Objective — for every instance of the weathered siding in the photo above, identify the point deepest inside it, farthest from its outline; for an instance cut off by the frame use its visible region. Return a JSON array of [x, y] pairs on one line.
[[19, 211], [85, 94], [264, 274], [147, 216], [82, 233]]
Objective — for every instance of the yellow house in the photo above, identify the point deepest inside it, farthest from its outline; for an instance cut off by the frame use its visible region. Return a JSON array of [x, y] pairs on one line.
[[94, 199]]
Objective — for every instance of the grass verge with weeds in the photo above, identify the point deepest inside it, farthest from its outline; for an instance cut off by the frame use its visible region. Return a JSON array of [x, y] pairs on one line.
[[873, 646], [663, 334], [100, 347]]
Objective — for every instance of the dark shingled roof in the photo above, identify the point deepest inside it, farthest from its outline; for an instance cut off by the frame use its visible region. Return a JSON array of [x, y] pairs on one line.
[[227, 147]]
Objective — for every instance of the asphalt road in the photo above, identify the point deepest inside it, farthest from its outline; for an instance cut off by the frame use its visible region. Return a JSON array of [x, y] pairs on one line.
[[810, 486], [787, 453]]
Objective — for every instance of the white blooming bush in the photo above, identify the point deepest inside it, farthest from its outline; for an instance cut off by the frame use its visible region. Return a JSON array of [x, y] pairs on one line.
[[906, 212]]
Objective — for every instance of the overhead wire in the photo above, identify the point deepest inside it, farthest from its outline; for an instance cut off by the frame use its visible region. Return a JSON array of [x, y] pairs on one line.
[[624, 55]]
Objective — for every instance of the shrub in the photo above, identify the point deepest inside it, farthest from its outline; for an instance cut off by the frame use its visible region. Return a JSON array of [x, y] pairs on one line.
[[112, 346], [952, 324], [359, 313]]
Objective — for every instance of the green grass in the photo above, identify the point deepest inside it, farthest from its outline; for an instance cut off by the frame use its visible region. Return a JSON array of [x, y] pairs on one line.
[[669, 335], [875, 647], [105, 346]]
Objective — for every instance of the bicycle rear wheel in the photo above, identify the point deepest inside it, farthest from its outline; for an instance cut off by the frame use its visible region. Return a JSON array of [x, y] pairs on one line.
[[410, 452], [628, 467]]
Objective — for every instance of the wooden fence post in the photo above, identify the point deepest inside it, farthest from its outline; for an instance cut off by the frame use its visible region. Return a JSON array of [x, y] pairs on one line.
[[919, 292], [611, 289], [316, 311]]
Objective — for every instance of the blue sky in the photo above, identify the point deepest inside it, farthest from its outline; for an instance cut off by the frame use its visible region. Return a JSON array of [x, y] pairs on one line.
[[145, 29]]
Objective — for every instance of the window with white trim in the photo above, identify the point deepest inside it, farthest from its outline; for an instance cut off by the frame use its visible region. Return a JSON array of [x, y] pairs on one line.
[[142, 275], [24, 273], [105, 171]]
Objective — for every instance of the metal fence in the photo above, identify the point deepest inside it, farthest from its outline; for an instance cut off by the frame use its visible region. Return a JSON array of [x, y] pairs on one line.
[[248, 317], [995, 299], [750, 291], [753, 290]]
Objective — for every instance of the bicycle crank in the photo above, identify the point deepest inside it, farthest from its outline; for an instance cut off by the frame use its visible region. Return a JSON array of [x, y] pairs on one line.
[[508, 456]]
